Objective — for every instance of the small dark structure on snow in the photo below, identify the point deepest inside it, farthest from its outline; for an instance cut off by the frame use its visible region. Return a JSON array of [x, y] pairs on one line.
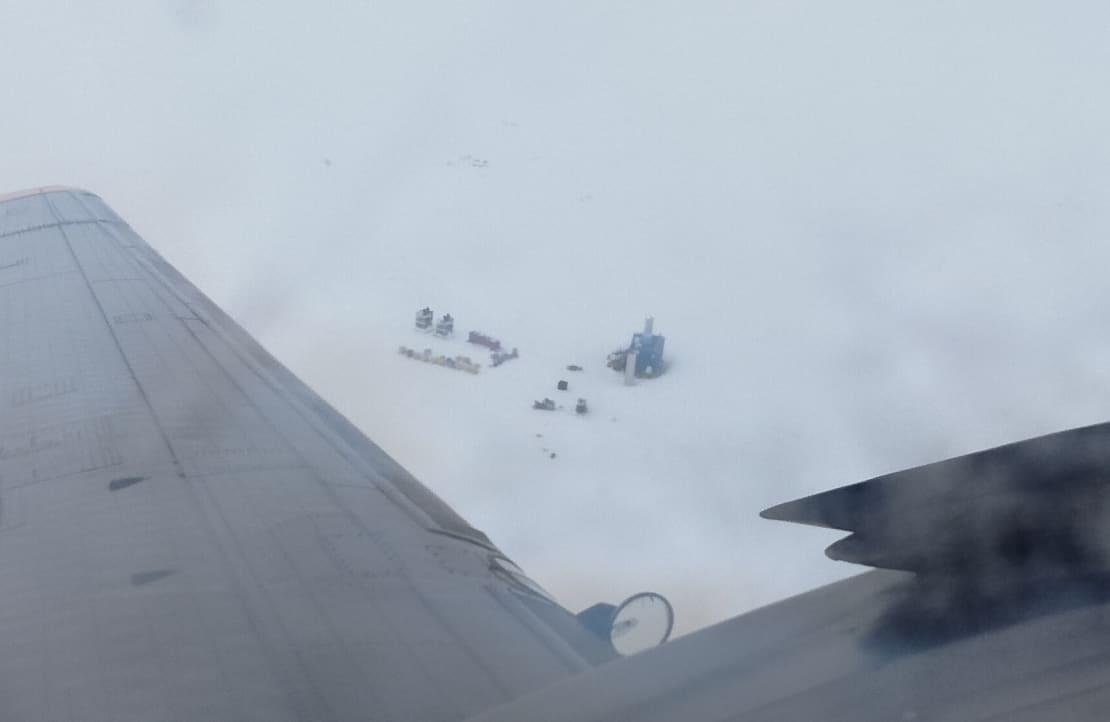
[[562, 386], [545, 405], [580, 407]]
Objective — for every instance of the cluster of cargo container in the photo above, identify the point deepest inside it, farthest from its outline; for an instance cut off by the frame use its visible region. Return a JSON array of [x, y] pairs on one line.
[[425, 321], [460, 363], [445, 327]]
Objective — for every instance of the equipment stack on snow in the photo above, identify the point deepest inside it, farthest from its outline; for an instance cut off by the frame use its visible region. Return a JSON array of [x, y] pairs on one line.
[[424, 318], [481, 339], [459, 363], [499, 357], [498, 354], [445, 326]]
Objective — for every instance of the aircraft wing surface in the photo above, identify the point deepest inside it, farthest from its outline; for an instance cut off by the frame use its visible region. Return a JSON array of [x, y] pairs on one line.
[[853, 652], [991, 602], [187, 532]]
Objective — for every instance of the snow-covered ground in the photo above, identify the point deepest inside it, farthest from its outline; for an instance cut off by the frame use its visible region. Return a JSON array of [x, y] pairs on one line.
[[660, 486], [611, 513]]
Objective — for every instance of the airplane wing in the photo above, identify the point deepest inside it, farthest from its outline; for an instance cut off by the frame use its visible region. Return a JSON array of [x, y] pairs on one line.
[[187, 532], [991, 602]]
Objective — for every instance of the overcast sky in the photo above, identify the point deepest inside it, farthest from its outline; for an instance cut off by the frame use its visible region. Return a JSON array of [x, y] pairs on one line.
[[876, 232]]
